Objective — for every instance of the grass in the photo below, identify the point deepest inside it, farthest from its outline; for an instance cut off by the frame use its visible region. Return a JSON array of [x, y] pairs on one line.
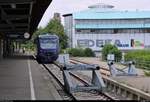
[[147, 73]]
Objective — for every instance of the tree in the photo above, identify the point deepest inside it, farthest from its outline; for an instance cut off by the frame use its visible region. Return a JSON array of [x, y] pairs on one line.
[[30, 43], [39, 31], [111, 49], [55, 27]]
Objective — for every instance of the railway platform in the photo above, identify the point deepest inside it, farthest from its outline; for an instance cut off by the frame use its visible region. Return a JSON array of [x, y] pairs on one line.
[[22, 78]]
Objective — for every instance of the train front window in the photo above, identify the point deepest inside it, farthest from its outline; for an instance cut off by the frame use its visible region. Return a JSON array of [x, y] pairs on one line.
[[48, 43]]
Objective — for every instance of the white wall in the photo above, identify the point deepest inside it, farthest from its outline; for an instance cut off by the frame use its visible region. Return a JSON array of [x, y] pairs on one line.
[[95, 41]]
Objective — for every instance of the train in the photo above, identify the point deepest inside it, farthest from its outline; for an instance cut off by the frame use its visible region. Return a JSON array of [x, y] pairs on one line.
[[47, 48]]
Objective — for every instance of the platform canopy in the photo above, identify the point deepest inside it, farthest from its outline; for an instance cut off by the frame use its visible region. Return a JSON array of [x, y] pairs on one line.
[[20, 16]]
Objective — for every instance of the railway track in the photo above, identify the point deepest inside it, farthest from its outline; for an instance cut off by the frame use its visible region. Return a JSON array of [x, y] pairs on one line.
[[94, 95], [119, 96], [63, 93], [67, 94], [104, 71], [57, 75]]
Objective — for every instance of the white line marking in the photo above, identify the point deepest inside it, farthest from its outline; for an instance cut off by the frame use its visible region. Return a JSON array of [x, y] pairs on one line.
[[31, 82]]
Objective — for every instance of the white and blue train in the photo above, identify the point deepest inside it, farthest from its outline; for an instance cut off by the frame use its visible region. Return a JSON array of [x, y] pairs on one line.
[[47, 48]]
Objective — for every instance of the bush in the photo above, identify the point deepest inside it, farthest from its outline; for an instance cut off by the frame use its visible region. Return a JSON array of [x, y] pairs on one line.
[[76, 52], [111, 49], [142, 58], [147, 73], [79, 52], [89, 53], [29, 45]]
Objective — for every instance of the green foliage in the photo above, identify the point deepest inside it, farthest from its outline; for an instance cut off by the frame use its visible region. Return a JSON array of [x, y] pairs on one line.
[[28, 45], [138, 54], [89, 53], [79, 52], [142, 58], [38, 32], [111, 49], [54, 27], [147, 73], [76, 52]]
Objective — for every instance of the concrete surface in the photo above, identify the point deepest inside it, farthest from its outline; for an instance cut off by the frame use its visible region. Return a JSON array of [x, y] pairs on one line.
[[22, 78]]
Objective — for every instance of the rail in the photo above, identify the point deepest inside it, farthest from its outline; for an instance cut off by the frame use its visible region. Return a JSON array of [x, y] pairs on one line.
[[117, 88], [103, 96], [73, 96], [104, 71], [61, 84]]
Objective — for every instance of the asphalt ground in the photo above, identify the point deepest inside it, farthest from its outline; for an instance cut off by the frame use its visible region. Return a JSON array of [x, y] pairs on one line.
[[22, 78]]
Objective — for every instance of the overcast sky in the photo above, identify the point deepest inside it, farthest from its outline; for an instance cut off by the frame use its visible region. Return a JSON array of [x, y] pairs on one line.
[[70, 6]]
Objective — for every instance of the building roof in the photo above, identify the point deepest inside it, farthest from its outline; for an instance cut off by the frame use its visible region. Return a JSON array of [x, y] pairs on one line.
[[96, 13]]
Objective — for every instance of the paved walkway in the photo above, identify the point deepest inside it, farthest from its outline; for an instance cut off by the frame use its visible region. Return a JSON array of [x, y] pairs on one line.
[[22, 78]]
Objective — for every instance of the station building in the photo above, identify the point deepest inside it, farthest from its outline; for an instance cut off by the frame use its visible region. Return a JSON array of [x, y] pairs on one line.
[[102, 24]]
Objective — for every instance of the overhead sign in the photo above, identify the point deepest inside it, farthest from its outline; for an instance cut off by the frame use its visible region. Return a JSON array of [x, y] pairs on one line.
[[18, 36], [13, 35], [26, 35]]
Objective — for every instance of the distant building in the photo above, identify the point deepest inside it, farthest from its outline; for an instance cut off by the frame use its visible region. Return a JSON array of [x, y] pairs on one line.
[[68, 24], [57, 16], [102, 24]]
